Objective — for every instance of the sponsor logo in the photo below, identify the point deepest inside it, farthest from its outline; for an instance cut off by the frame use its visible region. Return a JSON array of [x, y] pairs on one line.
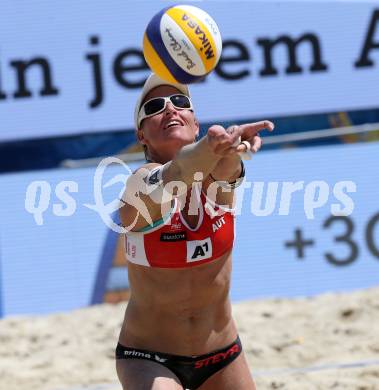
[[155, 176], [131, 249], [205, 43], [199, 250], [137, 354], [160, 360], [171, 237], [176, 226], [218, 357], [175, 223]]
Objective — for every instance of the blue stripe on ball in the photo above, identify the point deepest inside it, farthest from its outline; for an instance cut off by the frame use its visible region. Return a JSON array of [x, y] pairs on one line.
[[154, 35]]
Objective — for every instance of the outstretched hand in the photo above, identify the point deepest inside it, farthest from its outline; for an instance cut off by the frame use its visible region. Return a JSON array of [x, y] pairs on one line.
[[237, 138], [250, 135], [233, 143]]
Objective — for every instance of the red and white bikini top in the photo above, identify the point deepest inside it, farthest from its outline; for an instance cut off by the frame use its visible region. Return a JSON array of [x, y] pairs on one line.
[[174, 244]]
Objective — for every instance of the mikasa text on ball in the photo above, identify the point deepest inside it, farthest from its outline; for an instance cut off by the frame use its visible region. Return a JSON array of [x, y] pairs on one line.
[[182, 44]]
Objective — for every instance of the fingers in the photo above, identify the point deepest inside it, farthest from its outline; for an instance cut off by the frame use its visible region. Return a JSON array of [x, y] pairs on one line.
[[235, 132], [218, 138], [250, 129], [215, 130], [243, 147], [228, 141], [244, 150], [250, 133], [257, 144], [224, 140]]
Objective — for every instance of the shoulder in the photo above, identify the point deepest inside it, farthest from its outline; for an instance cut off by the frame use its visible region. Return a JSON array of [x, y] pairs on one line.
[[146, 168], [148, 174], [142, 199]]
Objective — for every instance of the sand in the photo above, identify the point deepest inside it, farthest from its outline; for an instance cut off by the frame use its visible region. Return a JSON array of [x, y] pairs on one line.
[[326, 342]]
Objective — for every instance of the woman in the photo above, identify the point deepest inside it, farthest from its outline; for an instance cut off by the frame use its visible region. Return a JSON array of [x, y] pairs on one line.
[[178, 330]]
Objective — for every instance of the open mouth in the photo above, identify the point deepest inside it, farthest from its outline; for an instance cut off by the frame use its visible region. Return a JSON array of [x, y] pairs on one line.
[[172, 123]]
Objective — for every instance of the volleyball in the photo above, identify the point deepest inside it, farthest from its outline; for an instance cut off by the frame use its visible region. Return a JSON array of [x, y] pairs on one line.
[[182, 44]]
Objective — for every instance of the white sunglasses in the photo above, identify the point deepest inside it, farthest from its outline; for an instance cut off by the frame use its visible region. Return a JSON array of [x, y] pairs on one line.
[[158, 104]]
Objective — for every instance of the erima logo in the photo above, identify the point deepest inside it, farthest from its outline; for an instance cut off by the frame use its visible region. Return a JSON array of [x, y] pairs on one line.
[[137, 354], [160, 360]]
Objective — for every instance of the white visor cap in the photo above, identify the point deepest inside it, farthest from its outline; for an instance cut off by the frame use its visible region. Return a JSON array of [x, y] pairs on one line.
[[152, 82]]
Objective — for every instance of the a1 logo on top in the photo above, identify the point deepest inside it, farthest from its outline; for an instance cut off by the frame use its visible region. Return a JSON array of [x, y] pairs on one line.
[[199, 250], [182, 44]]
